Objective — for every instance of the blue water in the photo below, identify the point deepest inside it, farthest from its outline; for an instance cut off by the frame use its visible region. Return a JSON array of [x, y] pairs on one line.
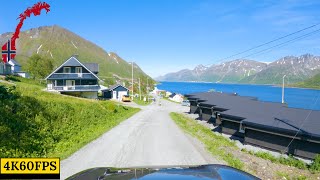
[[294, 97]]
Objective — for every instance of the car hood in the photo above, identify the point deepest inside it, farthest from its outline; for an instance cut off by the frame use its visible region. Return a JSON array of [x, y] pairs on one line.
[[203, 172]]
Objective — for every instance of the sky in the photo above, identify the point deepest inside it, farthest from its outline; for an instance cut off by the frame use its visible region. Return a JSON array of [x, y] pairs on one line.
[[164, 36]]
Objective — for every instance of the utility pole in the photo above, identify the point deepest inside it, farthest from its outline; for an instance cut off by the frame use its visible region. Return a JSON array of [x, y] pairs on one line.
[[283, 89], [132, 78], [139, 90], [147, 90]]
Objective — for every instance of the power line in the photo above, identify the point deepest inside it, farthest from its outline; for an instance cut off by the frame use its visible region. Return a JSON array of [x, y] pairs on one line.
[[269, 42], [284, 43]]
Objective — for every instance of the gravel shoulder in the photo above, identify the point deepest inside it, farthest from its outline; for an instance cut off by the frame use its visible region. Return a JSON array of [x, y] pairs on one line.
[[149, 138]]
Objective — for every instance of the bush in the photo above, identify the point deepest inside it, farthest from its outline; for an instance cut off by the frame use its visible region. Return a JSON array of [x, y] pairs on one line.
[[315, 165], [12, 78]]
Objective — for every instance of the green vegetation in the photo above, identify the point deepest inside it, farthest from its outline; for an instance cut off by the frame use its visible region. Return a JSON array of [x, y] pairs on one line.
[[141, 102], [215, 144], [35, 123], [39, 67], [313, 82], [315, 165], [14, 78], [59, 44], [290, 161]]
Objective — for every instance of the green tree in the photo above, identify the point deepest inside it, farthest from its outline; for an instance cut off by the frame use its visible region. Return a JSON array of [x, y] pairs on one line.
[[39, 67]]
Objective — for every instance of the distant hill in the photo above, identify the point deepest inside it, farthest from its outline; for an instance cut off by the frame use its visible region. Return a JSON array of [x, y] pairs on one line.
[[313, 82], [59, 44], [296, 69], [232, 71]]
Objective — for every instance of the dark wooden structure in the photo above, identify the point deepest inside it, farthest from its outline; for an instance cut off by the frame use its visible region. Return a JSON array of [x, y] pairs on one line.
[[269, 125]]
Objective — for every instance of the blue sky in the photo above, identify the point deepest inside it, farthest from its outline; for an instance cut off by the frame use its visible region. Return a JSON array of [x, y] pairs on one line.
[[168, 35]]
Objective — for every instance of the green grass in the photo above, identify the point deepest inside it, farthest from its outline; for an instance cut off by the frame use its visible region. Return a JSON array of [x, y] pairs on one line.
[[216, 144], [290, 161], [35, 123], [141, 102]]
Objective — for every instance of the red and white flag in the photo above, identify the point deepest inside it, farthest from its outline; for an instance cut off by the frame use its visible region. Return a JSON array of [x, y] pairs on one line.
[[8, 51]]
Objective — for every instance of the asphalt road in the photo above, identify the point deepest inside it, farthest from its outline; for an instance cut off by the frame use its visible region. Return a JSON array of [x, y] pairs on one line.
[[149, 138]]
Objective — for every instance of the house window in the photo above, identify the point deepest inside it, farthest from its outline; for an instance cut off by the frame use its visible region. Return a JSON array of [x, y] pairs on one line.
[[66, 70], [70, 82], [78, 69]]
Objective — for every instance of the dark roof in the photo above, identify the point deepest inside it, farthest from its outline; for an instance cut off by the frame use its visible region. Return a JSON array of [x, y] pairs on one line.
[[72, 62], [286, 120], [94, 67], [269, 116], [115, 86], [172, 95]]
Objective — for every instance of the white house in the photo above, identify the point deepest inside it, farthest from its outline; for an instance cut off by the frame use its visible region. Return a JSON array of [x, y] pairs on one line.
[[115, 92], [177, 98], [15, 66]]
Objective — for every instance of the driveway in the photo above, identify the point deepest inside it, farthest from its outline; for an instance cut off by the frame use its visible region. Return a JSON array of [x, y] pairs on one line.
[[149, 138]]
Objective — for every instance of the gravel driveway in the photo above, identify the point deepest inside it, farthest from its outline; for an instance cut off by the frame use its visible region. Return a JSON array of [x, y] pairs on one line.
[[149, 138]]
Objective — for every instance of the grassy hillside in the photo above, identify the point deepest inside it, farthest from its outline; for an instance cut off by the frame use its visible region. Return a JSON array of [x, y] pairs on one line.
[[59, 44], [35, 123], [273, 75], [313, 82]]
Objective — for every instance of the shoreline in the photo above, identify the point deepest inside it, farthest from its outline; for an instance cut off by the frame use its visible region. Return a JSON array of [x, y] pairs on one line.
[[272, 85]]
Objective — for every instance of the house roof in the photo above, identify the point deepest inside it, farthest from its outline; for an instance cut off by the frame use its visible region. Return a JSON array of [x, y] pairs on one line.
[[14, 62], [291, 121], [72, 61], [94, 67], [115, 86], [269, 116]]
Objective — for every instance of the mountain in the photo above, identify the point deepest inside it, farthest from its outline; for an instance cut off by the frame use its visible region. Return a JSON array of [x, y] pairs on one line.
[[295, 68], [184, 75], [59, 44], [232, 71], [313, 82], [249, 71]]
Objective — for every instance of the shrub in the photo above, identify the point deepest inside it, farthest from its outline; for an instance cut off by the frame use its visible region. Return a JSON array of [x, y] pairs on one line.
[[315, 165]]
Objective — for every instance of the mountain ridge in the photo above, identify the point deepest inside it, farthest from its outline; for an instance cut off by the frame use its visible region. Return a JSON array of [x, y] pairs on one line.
[[248, 71]]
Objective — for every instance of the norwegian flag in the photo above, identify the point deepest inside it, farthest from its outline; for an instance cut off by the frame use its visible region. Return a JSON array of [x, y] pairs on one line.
[[8, 51]]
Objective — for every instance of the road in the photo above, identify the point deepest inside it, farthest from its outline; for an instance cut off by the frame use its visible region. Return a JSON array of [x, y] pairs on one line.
[[149, 138]]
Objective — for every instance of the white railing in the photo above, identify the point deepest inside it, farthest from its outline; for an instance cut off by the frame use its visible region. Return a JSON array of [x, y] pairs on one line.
[[77, 87]]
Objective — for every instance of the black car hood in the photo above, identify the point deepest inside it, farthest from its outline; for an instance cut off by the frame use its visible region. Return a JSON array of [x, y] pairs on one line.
[[190, 173]]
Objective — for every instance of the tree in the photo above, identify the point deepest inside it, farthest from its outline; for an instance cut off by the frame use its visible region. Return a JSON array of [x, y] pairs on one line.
[[39, 67]]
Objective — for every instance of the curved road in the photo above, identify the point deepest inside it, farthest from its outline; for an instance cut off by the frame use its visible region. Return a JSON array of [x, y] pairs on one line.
[[149, 138]]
